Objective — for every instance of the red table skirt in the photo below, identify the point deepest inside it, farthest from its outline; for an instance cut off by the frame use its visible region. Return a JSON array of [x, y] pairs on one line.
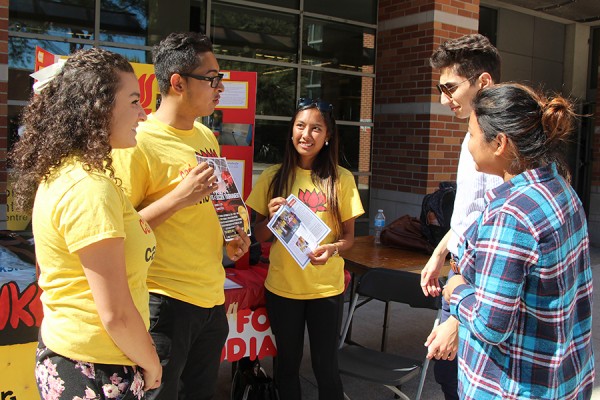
[[252, 294]]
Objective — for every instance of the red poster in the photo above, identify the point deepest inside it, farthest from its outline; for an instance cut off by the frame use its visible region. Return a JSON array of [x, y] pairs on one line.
[[43, 58], [233, 123]]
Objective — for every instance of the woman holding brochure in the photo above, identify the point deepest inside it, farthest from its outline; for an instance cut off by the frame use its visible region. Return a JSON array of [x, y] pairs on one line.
[[313, 295]]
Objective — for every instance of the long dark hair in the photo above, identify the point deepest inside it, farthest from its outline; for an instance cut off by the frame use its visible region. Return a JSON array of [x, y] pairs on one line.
[[324, 170], [538, 127], [70, 117]]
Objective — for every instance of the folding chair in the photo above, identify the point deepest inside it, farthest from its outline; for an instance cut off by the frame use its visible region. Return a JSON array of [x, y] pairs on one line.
[[381, 367]]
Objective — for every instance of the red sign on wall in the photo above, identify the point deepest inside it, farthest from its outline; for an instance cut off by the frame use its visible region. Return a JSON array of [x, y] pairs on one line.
[[233, 123]]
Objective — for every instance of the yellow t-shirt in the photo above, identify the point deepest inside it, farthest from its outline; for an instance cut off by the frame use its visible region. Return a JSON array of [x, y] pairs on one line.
[[188, 263], [72, 210], [285, 277]]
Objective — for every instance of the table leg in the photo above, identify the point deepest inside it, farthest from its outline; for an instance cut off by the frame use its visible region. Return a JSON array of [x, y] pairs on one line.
[[384, 334], [352, 292]]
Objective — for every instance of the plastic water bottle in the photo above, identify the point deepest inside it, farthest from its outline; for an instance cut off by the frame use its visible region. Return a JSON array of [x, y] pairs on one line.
[[379, 224]]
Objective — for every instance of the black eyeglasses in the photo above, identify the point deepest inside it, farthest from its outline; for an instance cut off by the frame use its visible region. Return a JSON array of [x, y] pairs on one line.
[[214, 80], [323, 106], [449, 90]]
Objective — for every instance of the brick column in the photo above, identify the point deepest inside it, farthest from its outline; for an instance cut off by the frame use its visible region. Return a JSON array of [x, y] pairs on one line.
[[3, 107], [366, 114], [416, 141]]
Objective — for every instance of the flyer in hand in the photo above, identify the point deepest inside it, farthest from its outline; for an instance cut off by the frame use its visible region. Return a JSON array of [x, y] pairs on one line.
[[298, 229], [227, 199]]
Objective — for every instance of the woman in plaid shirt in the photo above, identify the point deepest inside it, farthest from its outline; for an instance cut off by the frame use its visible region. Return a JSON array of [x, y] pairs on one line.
[[524, 299]]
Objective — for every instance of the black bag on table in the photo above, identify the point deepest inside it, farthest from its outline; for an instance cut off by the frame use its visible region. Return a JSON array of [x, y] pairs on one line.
[[251, 382]]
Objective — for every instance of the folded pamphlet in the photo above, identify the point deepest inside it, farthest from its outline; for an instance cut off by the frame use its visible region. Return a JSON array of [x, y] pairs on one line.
[[298, 229], [227, 200]]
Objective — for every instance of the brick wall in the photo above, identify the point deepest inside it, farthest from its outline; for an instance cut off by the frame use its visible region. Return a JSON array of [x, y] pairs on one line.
[[3, 107], [366, 114], [416, 142]]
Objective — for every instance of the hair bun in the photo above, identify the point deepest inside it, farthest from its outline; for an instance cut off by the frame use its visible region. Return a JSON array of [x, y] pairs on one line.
[[557, 120]]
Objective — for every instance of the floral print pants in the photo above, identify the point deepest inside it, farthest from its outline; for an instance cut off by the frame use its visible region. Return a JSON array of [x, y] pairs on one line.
[[60, 377]]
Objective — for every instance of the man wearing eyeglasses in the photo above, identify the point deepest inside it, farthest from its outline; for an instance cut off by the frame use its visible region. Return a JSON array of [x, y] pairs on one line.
[[171, 191], [466, 65]]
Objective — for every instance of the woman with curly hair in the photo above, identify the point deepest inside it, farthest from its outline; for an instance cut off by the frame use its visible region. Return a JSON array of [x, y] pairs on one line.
[[524, 296], [92, 247]]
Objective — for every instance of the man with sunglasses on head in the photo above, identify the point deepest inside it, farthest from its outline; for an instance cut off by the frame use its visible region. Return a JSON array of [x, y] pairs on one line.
[[466, 65], [171, 191]]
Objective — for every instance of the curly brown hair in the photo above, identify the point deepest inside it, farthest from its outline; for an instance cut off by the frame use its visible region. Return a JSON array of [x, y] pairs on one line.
[[71, 117]]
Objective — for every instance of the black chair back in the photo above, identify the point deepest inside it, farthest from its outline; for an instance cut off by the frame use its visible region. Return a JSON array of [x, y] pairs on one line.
[[398, 286]]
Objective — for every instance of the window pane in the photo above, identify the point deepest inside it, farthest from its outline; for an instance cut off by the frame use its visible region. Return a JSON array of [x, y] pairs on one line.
[[19, 85], [198, 16], [271, 137], [351, 96], [124, 21], [488, 23], [21, 51], [269, 141], [14, 125], [349, 146], [356, 10], [595, 53], [146, 22], [66, 18], [334, 45], [275, 94], [254, 33], [137, 56], [280, 3]]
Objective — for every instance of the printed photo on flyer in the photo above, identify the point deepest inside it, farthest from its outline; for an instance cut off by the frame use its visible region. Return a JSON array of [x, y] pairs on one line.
[[227, 200], [298, 229]]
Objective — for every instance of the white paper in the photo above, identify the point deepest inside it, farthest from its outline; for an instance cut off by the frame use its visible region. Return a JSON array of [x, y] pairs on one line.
[[235, 95], [298, 228], [229, 284]]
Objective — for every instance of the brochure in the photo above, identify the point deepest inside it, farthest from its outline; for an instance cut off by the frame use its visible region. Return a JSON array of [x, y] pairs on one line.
[[229, 284], [298, 229], [227, 200]]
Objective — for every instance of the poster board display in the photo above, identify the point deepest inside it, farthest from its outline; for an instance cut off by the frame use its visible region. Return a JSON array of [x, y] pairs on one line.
[[249, 335], [18, 221], [233, 123]]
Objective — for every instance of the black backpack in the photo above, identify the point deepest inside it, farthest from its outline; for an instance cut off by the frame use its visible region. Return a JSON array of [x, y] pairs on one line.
[[436, 212], [251, 382]]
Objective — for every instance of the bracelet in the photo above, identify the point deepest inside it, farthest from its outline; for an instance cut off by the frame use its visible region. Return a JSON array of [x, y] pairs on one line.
[[335, 252]]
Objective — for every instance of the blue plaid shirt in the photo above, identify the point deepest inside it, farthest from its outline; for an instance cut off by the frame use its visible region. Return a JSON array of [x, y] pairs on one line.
[[526, 313]]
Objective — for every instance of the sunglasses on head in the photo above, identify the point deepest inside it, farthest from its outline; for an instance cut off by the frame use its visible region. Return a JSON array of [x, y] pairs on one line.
[[323, 106], [449, 90]]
